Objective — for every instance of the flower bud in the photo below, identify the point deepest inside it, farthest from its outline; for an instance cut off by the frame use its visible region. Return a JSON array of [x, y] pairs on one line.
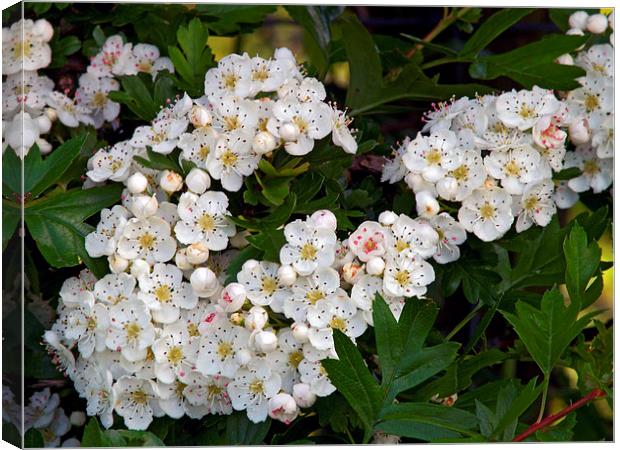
[[579, 131], [199, 116], [243, 356], [611, 19], [143, 206], [287, 275], [139, 267], [180, 259], [137, 183], [324, 218], [283, 407], [352, 271], [117, 263], [204, 282], [566, 59], [375, 266], [44, 29], [289, 132], [597, 23], [198, 181], [387, 218], [232, 297], [77, 418], [611, 39], [578, 19], [416, 183], [303, 395], [239, 239], [51, 114], [265, 341], [300, 332], [263, 143], [45, 147], [44, 123], [256, 318], [426, 204], [170, 181], [197, 253], [237, 319]]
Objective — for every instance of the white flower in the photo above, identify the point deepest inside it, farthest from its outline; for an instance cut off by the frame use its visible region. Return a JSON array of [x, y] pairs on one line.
[[594, 99], [459, 182], [233, 76], [93, 94], [309, 292], [339, 312], [232, 159], [412, 237], [25, 46], [220, 343], [283, 407], [235, 114], [112, 163], [315, 375], [70, 113], [451, 235], [564, 196], [131, 331], [603, 138], [522, 109], [135, 401], [307, 247], [203, 220], [146, 59], [112, 58], [394, 169], [103, 240], [536, 206], [163, 132], [598, 59], [23, 131], [440, 118], [77, 290], [407, 277], [364, 291], [267, 74], [197, 145], [341, 134], [286, 359], [99, 393], [59, 426], [310, 121], [174, 353], [597, 173], [40, 411], [209, 392], [165, 292], [252, 388], [88, 325], [368, 241], [515, 168], [148, 239], [28, 92], [434, 155], [487, 213], [114, 288], [263, 285]]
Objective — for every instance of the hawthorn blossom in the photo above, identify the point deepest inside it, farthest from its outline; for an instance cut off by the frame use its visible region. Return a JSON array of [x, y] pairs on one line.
[[131, 331], [307, 247], [251, 389], [536, 206], [148, 239], [25, 46], [433, 156], [136, 401], [232, 160], [487, 213]]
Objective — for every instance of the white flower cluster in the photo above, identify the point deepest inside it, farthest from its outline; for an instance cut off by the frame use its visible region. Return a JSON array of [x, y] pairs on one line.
[[155, 338], [29, 99], [251, 107], [496, 155]]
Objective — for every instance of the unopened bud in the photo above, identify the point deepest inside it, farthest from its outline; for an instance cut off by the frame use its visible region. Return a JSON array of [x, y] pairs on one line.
[[578, 19], [44, 123], [351, 272], [566, 59], [143, 206], [324, 218], [579, 131], [257, 318], [204, 282], [283, 407], [137, 183], [243, 356], [197, 253], [140, 267], [263, 143], [199, 116], [303, 395], [387, 218], [300, 332], [597, 23], [232, 297], [287, 275], [239, 239], [170, 181], [198, 181], [181, 260], [265, 341], [51, 114], [426, 204], [289, 132], [77, 418], [375, 266], [117, 263]]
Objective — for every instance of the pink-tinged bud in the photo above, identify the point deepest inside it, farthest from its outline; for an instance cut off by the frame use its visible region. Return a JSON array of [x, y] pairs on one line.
[[303, 395], [566, 59], [232, 297], [170, 181], [265, 341], [197, 253], [137, 183], [199, 116], [578, 19], [198, 181], [375, 266], [597, 23], [283, 407], [426, 204], [324, 218], [204, 282], [579, 131], [351, 272]]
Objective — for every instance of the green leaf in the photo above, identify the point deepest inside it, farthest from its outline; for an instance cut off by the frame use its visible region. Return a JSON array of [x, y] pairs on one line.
[[56, 223], [33, 438], [143, 97], [351, 376], [546, 332], [582, 262], [99, 36], [234, 18], [139, 438], [157, 161], [387, 335], [533, 64], [270, 241], [512, 402], [92, 434], [562, 432], [492, 28], [426, 421], [241, 431]]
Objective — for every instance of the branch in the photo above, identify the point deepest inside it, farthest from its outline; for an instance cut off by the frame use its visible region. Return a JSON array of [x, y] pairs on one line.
[[447, 20], [596, 393]]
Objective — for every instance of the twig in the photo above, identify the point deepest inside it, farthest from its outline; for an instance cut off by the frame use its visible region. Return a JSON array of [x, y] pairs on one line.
[[445, 22], [464, 322], [596, 393]]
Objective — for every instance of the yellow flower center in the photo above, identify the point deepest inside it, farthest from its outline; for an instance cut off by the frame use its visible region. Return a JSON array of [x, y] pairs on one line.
[[530, 203], [433, 157], [179, 388], [132, 330], [487, 211], [402, 277], [175, 355], [21, 49], [256, 387], [322, 370], [301, 124], [526, 112], [91, 324], [269, 285], [315, 295], [294, 358], [231, 123], [338, 324], [163, 293], [139, 397], [228, 158], [308, 252], [206, 222], [214, 390], [461, 173], [224, 350], [260, 75], [401, 245], [599, 68], [230, 81], [590, 167], [203, 152], [145, 66], [512, 169], [591, 102], [146, 240], [500, 128], [192, 329], [158, 137], [262, 124], [99, 99]]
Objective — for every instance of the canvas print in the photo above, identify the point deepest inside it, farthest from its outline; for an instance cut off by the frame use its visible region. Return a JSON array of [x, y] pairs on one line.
[[228, 224]]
